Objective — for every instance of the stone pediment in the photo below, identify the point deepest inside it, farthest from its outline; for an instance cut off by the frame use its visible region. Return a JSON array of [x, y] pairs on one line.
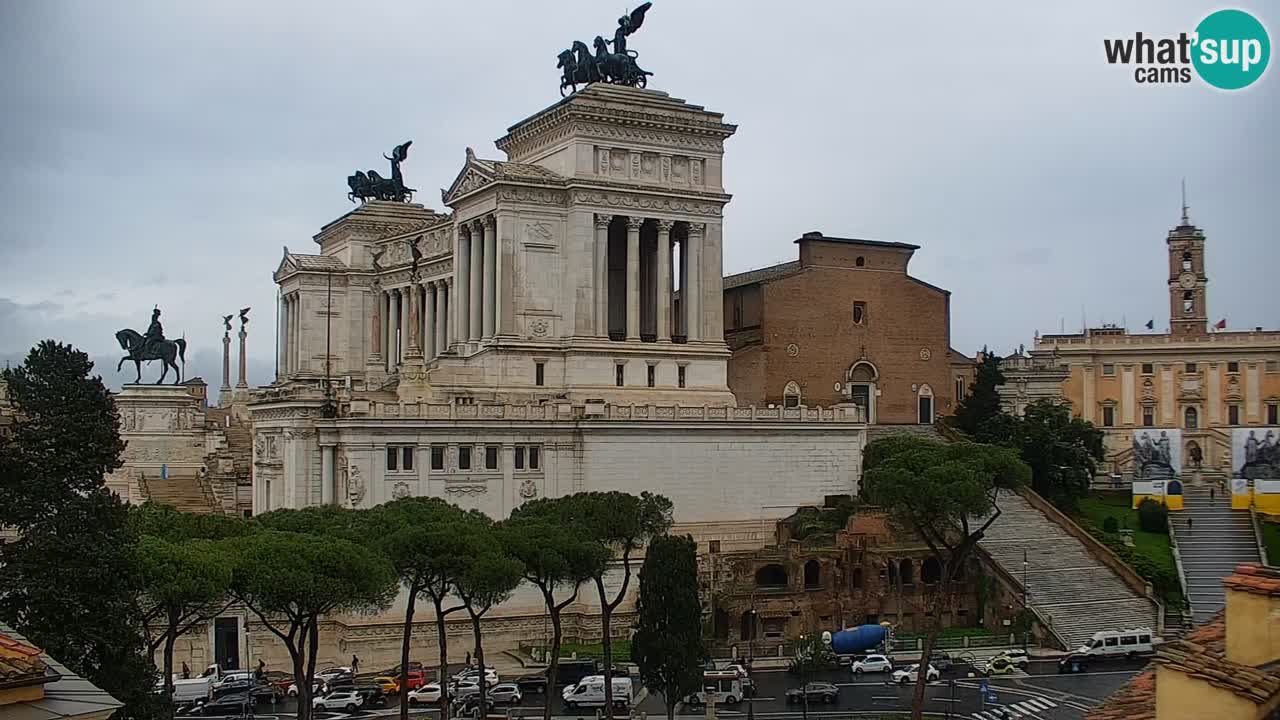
[[474, 175], [478, 173], [291, 263]]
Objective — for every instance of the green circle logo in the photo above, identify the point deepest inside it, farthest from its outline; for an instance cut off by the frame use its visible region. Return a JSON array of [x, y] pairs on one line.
[[1232, 49]]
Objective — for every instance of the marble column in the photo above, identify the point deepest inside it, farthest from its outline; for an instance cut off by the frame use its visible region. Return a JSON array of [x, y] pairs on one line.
[[602, 274], [283, 335], [413, 322], [664, 281], [475, 324], [462, 272], [375, 330], [693, 296], [295, 336], [444, 334], [490, 297], [328, 482], [388, 330], [226, 361], [394, 331], [633, 277], [243, 381], [430, 323]]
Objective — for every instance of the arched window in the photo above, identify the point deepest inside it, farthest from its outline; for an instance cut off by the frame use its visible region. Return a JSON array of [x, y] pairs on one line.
[[1188, 301], [791, 395], [905, 572], [930, 571], [862, 379], [812, 574], [925, 400], [771, 576], [893, 573], [1186, 260], [857, 578], [1191, 418]]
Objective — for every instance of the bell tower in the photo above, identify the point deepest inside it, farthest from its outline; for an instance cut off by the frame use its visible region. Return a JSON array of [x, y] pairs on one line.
[[1188, 312]]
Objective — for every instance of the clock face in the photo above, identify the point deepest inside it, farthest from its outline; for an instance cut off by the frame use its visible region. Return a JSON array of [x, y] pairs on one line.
[[1187, 280]]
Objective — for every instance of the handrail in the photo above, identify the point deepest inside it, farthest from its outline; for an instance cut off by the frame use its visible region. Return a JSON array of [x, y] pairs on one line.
[[1177, 560], [1257, 534]]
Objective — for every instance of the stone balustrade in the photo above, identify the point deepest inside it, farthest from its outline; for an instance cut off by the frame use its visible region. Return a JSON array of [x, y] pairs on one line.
[[602, 412]]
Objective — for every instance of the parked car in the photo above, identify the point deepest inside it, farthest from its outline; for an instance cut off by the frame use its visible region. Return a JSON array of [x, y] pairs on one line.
[[469, 707], [373, 696], [334, 672], [231, 677], [999, 665], [238, 704], [389, 685], [941, 659], [590, 692], [819, 691], [317, 688], [395, 671], [1073, 663], [1114, 643], [282, 680], [911, 673], [429, 693], [490, 675], [533, 683], [506, 693], [459, 690], [232, 687], [872, 663], [1017, 657], [348, 700], [413, 680]]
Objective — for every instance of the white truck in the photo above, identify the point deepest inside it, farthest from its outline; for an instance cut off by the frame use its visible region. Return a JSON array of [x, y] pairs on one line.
[[196, 688], [723, 686], [589, 692]]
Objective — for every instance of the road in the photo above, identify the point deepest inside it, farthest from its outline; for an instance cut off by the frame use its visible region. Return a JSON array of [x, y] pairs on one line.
[[1040, 694]]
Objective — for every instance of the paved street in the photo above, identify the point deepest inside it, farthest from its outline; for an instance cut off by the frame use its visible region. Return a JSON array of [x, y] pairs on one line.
[[1040, 694]]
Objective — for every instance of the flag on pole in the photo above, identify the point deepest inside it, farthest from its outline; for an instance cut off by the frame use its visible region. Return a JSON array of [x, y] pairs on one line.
[[1222, 324], [1151, 324]]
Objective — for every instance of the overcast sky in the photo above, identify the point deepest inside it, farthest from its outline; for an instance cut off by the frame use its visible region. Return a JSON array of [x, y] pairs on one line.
[[161, 152]]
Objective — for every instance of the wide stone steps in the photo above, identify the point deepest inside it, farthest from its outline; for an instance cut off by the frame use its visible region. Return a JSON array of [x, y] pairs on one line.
[[180, 493], [1075, 592], [1212, 540]]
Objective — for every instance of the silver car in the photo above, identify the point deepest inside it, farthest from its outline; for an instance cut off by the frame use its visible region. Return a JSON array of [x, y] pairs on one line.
[[508, 693]]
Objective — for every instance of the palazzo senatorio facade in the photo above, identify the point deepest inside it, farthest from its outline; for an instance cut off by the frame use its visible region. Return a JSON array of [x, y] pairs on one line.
[[559, 329]]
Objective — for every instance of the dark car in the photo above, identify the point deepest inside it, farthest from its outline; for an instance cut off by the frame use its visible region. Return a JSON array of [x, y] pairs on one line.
[[469, 706], [941, 660], [1073, 663], [815, 691], [395, 671], [533, 683], [232, 687], [339, 682], [228, 705], [373, 696]]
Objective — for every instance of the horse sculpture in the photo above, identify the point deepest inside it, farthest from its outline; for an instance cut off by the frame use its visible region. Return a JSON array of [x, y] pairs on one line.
[[167, 351], [619, 67]]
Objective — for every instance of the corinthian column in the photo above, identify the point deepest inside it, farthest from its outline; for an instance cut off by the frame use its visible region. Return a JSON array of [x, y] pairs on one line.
[[664, 281], [476, 323], [490, 275], [429, 322], [694, 292], [393, 332], [633, 277], [602, 274], [413, 326], [462, 272]]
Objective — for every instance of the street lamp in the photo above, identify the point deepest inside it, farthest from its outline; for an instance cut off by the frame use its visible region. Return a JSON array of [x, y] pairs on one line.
[[1025, 610], [751, 655], [803, 661]]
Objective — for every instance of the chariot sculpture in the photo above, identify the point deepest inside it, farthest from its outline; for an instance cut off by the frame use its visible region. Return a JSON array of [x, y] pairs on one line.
[[579, 66], [372, 186]]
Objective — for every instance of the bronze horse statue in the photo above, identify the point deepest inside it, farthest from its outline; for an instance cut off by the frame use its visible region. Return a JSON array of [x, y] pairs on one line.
[[167, 351]]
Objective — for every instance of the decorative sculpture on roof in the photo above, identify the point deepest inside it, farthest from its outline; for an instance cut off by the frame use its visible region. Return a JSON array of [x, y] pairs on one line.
[[372, 186], [580, 67], [152, 346]]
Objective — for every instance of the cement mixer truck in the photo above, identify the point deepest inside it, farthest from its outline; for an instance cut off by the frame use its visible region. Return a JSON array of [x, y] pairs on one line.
[[860, 639]]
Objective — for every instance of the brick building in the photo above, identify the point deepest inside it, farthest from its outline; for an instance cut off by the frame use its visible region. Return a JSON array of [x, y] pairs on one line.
[[845, 323]]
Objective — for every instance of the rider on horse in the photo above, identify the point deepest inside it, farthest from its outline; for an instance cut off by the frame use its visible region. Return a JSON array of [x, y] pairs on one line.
[[155, 332]]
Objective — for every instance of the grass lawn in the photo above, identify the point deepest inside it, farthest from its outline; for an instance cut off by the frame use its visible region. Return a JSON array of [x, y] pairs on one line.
[[1097, 507], [1271, 538]]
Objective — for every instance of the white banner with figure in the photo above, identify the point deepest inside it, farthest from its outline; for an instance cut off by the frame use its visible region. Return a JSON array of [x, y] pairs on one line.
[[1255, 453], [1157, 454]]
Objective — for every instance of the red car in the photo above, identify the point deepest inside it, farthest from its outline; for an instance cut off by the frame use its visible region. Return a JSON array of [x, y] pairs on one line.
[[414, 679]]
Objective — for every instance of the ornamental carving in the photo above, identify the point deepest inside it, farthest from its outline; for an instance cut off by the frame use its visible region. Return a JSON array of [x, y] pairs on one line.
[[466, 489], [538, 233], [528, 489], [793, 349], [644, 202], [400, 491], [539, 327], [926, 354], [537, 196], [471, 181], [355, 486]]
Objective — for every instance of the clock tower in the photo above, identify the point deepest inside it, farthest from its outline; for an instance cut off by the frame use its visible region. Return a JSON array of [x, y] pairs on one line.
[[1188, 313]]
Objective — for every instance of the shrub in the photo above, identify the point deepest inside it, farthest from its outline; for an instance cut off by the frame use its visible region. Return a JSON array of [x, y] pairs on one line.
[[1110, 525], [1153, 516]]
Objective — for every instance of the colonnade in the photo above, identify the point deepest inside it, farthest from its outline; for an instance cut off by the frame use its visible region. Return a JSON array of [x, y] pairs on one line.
[[413, 320], [636, 268], [290, 359], [476, 267]]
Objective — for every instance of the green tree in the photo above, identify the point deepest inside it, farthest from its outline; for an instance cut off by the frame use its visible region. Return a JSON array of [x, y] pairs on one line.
[[69, 582], [186, 576], [292, 579], [556, 557], [946, 494], [489, 578], [667, 644], [425, 540], [1062, 451], [981, 406]]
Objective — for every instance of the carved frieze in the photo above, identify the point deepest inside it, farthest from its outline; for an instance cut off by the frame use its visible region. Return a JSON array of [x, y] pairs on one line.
[[537, 196], [645, 202], [466, 489]]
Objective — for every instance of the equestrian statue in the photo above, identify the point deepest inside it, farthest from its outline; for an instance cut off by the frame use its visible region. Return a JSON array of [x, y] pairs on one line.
[[579, 67], [152, 346], [372, 186]]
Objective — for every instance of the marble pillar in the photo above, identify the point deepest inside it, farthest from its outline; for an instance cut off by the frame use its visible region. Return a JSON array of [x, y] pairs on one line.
[[633, 277], [664, 281], [602, 274], [490, 295], [463, 275], [429, 321], [475, 324]]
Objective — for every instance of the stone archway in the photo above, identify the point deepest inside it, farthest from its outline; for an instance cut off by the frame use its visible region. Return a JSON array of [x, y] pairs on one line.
[[862, 379]]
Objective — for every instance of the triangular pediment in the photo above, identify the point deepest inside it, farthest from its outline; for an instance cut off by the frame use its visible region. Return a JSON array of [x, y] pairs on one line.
[[473, 176], [287, 265]]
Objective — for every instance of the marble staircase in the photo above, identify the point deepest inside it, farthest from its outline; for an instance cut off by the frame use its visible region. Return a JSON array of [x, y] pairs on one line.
[[181, 493], [1212, 540], [1070, 588]]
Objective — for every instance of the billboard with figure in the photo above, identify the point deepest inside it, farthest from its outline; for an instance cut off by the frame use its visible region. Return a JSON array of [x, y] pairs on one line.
[[1157, 454], [1255, 453]]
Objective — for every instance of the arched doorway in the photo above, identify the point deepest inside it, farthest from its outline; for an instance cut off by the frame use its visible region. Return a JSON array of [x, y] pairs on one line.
[[906, 572], [791, 397], [925, 400], [862, 379], [812, 574]]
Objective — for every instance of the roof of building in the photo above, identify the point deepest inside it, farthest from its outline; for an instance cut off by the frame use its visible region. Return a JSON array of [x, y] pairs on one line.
[[1255, 579], [67, 697], [815, 235], [1136, 700], [761, 274], [321, 263]]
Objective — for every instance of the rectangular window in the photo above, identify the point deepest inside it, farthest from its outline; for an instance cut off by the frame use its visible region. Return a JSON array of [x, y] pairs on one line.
[[1273, 414], [490, 457], [464, 457], [539, 374], [959, 389], [393, 456], [1233, 367], [1108, 370], [859, 313], [1148, 369], [1273, 366], [1148, 416], [1191, 367], [652, 375], [519, 457], [406, 455], [534, 459], [400, 458], [1108, 416], [1233, 414], [437, 457], [618, 374], [680, 376]]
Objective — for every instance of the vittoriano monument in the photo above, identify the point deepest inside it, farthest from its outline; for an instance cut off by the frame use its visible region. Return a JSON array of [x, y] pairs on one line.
[[152, 346], [372, 186], [618, 67]]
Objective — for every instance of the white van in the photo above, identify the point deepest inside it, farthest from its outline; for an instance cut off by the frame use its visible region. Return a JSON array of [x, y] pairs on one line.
[[1120, 643], [589, 692], [724, 686]]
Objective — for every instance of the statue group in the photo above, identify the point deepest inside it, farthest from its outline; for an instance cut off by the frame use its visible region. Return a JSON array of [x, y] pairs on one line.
[[372, 186], [580, 67], [152, 346]]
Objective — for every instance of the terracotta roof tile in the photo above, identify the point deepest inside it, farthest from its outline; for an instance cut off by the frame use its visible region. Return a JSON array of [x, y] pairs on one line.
[[316, 262], [761, 274], [19, 660], [1256, 579], [1134, 701]]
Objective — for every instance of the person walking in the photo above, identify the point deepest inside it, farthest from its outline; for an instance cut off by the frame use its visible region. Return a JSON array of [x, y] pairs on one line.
[[186, 671], [355, 664], [1211, 494], [1190, 522]]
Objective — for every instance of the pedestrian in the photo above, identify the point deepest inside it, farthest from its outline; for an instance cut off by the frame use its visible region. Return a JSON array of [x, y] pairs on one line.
[[1211, 489], [1190, 521], [468, 663], [355, 664], [186, 671]]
